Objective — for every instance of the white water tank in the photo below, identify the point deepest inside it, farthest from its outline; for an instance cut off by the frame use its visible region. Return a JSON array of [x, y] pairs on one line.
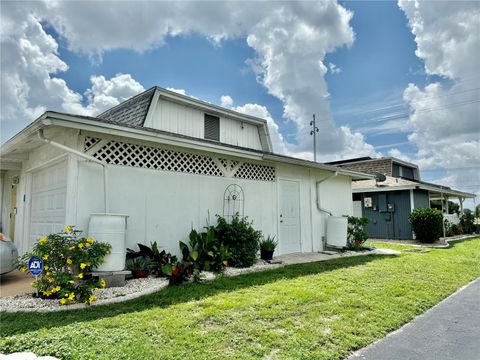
[[337, 231], [111, 229]]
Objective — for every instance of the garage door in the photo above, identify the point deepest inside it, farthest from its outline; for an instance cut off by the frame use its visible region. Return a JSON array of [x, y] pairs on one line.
[[48, 199]]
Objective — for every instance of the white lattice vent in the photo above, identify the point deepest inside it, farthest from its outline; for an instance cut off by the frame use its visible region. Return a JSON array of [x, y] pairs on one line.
[[255, 172], [90, 142], [149, 157], [228, 164]]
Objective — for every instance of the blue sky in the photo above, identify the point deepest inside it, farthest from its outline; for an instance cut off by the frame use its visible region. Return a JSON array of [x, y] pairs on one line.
[[384, 78], [374, 70]]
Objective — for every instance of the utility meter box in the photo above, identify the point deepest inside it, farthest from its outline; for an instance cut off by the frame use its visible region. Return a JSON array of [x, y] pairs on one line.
[[367, 202]]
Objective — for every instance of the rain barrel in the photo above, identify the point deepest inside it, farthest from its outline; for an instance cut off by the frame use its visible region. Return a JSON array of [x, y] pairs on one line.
[[111, 229], [337, 231]]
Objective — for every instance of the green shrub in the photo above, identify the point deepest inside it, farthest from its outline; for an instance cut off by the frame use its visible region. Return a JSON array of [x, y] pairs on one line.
[[68, 261], [427, 224], [356, 234], [241, 238], [467, 222]]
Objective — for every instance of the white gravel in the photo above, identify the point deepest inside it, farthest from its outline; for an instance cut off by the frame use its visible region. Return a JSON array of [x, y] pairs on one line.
[[134, 288]]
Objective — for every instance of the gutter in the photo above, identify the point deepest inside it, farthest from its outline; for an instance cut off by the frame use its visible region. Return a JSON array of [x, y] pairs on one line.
[[84, 156], [317, 195]]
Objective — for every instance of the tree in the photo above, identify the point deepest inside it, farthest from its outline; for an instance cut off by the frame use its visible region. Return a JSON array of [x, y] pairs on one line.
[[453, 207]]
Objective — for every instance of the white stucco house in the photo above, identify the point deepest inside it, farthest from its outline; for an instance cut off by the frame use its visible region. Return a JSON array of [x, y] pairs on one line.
[[169, 160]]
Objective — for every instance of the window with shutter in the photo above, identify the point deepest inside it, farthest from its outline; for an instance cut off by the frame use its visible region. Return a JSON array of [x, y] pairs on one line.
[[212, 127]]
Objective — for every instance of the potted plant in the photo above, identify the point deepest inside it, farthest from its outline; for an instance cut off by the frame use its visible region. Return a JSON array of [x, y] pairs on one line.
[[139, 266], [267, 248]]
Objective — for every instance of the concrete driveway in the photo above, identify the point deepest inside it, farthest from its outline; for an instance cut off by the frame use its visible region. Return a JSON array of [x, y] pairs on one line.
[[450, 330], [15, 283]]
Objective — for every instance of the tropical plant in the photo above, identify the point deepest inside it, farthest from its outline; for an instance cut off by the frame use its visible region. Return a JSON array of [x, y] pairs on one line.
[[68, 261], [178, 272], [206, 251], [427, 224], [139, 266], [241, 238], [157, 258], [268, 244], [356, 233]]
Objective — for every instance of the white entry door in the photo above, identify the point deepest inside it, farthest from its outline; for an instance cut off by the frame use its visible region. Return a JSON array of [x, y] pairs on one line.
[[289, 213], [48, 200]]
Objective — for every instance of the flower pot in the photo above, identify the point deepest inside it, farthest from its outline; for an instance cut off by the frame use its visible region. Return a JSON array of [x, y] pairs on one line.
[[266, 254], [138, 274]]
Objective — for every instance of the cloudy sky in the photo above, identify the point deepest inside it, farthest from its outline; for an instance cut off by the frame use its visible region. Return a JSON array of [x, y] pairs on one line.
[[383, 78]]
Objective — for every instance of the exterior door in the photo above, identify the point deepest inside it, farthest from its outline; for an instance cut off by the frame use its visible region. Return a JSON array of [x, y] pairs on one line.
[[13, 210], [289, 213], [48, 201]]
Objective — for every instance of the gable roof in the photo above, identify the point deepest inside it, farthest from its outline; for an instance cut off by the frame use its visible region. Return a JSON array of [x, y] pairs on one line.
[[132, 111]]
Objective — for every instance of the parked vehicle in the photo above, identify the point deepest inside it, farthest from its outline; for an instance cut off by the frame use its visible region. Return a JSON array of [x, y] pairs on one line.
[[8, 254]]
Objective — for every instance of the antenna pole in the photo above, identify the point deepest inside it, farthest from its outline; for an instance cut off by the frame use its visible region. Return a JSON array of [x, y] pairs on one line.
[[314, 133]]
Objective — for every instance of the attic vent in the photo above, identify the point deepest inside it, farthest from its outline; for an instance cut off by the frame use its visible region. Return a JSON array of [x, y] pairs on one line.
[[89, 142], [119, 153], [212, 127], [255, 172]]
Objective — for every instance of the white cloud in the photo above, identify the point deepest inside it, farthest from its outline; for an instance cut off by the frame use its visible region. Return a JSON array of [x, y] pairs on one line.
[[445, 120], [334, 69], [290, 40], [226, 101], [178, 91]]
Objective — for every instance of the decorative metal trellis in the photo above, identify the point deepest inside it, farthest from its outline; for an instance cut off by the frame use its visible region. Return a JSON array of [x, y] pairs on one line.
[[233, 202]]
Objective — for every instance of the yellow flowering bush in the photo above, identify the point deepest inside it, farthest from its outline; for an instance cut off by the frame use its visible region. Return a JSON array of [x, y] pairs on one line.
[[68, 261]]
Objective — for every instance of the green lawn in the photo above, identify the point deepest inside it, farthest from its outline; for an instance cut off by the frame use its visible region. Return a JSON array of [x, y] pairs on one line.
[[313, 311]]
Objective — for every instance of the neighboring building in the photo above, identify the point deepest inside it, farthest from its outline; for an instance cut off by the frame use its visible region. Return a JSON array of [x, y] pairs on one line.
[[388, 201], [171, 161]]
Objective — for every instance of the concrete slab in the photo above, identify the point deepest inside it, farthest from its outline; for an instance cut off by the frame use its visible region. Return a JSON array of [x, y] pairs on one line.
[[450, 330], [15, 283], [301, 258]]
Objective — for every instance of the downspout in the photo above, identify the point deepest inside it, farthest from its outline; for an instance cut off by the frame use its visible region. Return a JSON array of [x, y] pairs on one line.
[[84, 156], [317, 192]]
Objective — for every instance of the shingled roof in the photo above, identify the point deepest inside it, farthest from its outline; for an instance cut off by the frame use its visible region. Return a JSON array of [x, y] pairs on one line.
[[132, 111]]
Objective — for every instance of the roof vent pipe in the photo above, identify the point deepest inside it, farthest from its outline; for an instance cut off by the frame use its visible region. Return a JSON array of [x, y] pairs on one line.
[[84, 156]]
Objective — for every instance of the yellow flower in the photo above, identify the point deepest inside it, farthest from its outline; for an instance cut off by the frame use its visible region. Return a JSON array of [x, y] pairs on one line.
[[87, 244], [63, 301], [71, 248], [80, 276], [71, 281], [80, 245], [83, 266], [71, 296], [90, 240], [42, 240], [92, 298], [69, 262], [49, 273], [57, 288], [45, 257], [50, 280], [46, 267], [102, 283], [68, 228], [23, 269]]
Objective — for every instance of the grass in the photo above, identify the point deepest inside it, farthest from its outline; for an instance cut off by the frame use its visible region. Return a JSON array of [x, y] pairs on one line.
[[312, 311]]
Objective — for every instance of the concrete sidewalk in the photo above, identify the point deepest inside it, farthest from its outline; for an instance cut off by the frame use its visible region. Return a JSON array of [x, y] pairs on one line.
[[450, 330], [15, 283]]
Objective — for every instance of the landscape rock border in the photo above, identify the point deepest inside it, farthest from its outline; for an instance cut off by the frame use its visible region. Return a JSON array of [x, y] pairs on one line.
[[136, 288]]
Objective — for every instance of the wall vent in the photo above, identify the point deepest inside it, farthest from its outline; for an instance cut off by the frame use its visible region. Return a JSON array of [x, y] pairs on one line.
[[255, 172]]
